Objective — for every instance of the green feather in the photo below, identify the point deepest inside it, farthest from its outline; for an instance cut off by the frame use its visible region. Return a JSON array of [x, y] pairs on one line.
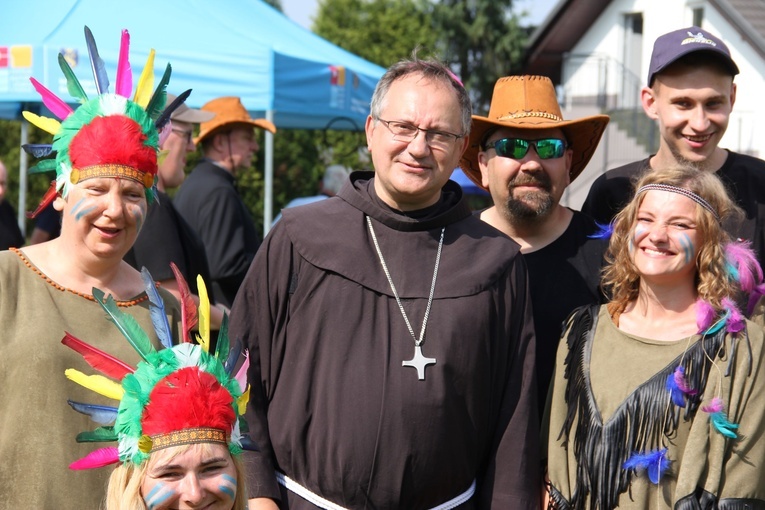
[[222, 345], [72, 83], [159, 98], [45, 165], [99, 435], [127, 325]]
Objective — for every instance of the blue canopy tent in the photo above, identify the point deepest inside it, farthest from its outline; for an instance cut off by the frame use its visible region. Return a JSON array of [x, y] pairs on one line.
[[239, 48]]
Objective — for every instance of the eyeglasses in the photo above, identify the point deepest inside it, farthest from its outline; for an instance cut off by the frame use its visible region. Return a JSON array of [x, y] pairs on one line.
[[516, 148], [406, 132], [183, 134]]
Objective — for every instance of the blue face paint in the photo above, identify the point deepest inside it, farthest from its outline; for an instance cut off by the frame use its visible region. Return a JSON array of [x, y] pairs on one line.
[[77, 206], [158, 495], [85, 211], [138, 217], [687, 245], [229, 489]]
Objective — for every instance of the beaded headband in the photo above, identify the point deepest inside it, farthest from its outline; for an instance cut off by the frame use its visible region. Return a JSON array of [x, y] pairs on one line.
[[680, 191]]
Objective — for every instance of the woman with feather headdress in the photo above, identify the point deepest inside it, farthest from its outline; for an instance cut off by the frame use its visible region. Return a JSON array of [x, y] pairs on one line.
[[656, 398], [105, 164]]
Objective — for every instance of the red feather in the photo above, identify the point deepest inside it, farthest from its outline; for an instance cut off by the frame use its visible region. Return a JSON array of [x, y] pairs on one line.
[[47, 199], [188, 307], [98, 359], [97, 458]]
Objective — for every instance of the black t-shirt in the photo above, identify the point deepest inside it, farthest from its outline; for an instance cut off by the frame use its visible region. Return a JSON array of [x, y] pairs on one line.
[[563, 276], [743, 176], [49, 220], [10, 234]]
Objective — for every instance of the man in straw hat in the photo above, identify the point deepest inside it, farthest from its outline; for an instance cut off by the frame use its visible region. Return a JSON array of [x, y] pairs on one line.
[[389, 330], [690, 93], [526, 155], [209, 201]]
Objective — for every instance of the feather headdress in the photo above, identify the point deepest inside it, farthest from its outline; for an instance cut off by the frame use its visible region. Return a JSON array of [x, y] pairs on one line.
[[109, 135], [177, 395]]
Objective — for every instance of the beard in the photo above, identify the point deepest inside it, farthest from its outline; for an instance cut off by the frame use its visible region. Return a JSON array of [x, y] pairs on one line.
[[530, 205]]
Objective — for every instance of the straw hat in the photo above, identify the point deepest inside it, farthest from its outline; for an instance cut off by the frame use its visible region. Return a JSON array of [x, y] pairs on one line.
[[529, 102], [229, 111]]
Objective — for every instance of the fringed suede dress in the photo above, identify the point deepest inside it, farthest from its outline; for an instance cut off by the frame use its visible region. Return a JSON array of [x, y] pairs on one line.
[[609, 400]]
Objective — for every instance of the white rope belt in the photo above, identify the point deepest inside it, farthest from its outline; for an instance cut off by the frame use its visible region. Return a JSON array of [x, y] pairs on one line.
[[317, 500]]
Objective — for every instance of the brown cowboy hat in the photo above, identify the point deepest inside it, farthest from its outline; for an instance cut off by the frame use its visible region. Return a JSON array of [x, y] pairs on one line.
[[529, 102], [229, 112]]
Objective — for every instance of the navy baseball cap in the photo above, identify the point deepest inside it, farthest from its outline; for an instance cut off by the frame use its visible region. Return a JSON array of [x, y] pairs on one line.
[[670, 47]]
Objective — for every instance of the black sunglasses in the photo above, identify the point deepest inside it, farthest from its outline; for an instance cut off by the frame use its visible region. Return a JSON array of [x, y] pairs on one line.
[[516, 148]]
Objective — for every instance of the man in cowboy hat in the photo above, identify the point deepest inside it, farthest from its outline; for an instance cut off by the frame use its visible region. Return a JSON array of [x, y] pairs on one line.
[[525, 154], [690, 93], [209, 201]]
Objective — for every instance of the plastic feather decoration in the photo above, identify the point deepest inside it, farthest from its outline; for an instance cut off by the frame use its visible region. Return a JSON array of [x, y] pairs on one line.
[[73, 85], [97, 383], [159, 98], [678, 387], [719, 419], [103, 415], [98, 359], [603, 231], [99, 458], [145, 87], [157, 310], [127, 325], [55, 104], [204, 315], [52, 126], [124, 78], [47, 199], [97, 64], [655, 464], [188, 307]]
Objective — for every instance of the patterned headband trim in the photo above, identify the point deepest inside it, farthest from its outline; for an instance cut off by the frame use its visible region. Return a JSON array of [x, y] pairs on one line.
[[680, 191], [112, 170], [188, 436]]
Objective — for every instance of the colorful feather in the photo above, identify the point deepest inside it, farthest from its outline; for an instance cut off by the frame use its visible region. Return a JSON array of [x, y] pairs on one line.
[[73, 85], [127, 325], [46, 165], [124, 78], [188, 308], [145, 85], [157, 310], [38, 150], [103, 415], [99, 435], [233, 357], [742, 265], [241, 401], [719, 419], [222, 345], [164, 117], [159, 98], [736, 321], [54, 103], [705, 315], [754, 298], [97, 64], [47, 199], [52, 126], [241, 374], [655, 463], [96, 459], [204, 315], [678, 387], [97, 383], [603, 231], [98, 359]]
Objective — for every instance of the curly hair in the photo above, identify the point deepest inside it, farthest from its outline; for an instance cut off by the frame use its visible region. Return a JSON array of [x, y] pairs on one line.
[[621, 277]]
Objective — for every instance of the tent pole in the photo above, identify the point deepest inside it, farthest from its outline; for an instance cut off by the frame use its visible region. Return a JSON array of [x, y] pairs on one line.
[[268, 199], [23, 162]]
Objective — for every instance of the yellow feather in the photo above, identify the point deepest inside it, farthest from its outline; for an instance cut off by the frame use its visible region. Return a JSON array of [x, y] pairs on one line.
[[241, 402], [145, 87], [97, 383], [52, 126], [204, 315]]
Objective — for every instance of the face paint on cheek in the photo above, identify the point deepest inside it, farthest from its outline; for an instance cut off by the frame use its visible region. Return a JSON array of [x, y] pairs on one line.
[[77, 206], [158, 495], [228, 488], [85, 211], [138, 215], [687, 245], [639, 231]]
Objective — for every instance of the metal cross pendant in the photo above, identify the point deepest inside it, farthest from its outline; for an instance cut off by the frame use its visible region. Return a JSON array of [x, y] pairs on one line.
[[419, 362]]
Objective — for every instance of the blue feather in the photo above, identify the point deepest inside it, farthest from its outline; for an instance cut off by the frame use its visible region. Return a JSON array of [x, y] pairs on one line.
[[678, 397], [103, 415], [157, 309], [723, 426], [655, 463], [233, 357], [603, 232]]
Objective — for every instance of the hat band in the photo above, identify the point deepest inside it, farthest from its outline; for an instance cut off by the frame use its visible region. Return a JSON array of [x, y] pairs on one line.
[[188, 436], [112, 170], [523, 115]]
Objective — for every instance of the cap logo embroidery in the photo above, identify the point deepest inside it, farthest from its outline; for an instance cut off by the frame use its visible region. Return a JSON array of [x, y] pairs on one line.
[[697, 38]]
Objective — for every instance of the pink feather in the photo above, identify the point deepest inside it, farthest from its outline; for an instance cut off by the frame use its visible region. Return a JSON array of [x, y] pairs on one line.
[[736, 320], [705, 315], [54, 103], [754, 298], [241, 374], [98, 359], [98, 458], [739, 254], [124, 85], [715, 406], [679, 376]]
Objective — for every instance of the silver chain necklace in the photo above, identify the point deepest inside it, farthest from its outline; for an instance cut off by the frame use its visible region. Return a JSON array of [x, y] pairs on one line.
[[418, 361]]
